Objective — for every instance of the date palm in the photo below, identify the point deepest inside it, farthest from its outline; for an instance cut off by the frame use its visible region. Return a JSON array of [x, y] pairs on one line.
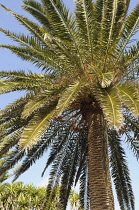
[[82, 102]]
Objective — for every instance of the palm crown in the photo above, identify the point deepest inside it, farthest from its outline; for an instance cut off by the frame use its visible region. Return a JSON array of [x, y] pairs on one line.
[[89, 66]]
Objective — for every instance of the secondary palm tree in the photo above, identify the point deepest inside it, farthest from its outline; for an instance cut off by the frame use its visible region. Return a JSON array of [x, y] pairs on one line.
[[81, 104]]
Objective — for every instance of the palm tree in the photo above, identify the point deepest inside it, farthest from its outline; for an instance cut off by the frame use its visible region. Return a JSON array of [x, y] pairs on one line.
[[74, 201], [81, 104], [18, 196]]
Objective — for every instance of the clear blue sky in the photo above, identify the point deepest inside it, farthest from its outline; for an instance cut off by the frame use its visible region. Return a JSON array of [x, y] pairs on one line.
[[9, 61]]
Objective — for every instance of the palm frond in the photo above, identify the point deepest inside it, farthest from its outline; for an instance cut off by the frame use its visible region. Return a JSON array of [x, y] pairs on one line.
[[68, 181], [120, 16], [31, 26], [12, 159], [68, 96], [131, 131], [111, 106], [38, 12], [113, 19], [61, 19], [84, 187], [58, 145], [33, 105], [16, 107], [131, 27], [99, 6], [120, 172], [36, 129], [106, 22], [9, 86], [26, 41], [129, 97], [19, 80], [63, 24], [39, 148], [132, 54], [27, 54], [84, 20], [9, 141]]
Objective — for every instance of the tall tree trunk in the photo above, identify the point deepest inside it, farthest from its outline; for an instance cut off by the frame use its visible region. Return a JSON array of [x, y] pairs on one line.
[[100, 187]]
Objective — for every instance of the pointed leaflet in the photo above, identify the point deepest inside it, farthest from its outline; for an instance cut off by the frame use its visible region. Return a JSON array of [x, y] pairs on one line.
[[114, 11], [15, 85], [34, 105], [120, 8], [25, 41], [130, 98], [61, 19], [111, 105], [120, 171], [84, 19], [106, 21], [130, 29], [9, 86], [63, 24], [35, 130], [31, 26], [19, 80], [39, 12], [68, 96]]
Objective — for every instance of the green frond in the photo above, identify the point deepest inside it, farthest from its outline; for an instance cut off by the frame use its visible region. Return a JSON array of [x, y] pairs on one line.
[[120, 15], [132, 54], [9, 86], [12, 158], [63, 24], [19, 80], [114, 11], [84, 187], [67, 53], [120, 172], [129, 96], [61, 19], [46, 60], [38, 12], [130, 29], [31, 26], [39, 148], [9, 141], [131, 131], [132, 22], [28, 55], [14, 107], [22, 75], [111, 106], [84, 20], [58, 146], [29, 42], [99, 5], [10, 125], [68, 97], [36, 129], [106, 22], [34, 105]]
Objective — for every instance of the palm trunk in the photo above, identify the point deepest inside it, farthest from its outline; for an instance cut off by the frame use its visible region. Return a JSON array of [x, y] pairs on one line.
[[101, 196]]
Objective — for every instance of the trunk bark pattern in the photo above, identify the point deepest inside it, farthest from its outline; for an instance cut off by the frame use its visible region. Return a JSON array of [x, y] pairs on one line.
[[101, 196]]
